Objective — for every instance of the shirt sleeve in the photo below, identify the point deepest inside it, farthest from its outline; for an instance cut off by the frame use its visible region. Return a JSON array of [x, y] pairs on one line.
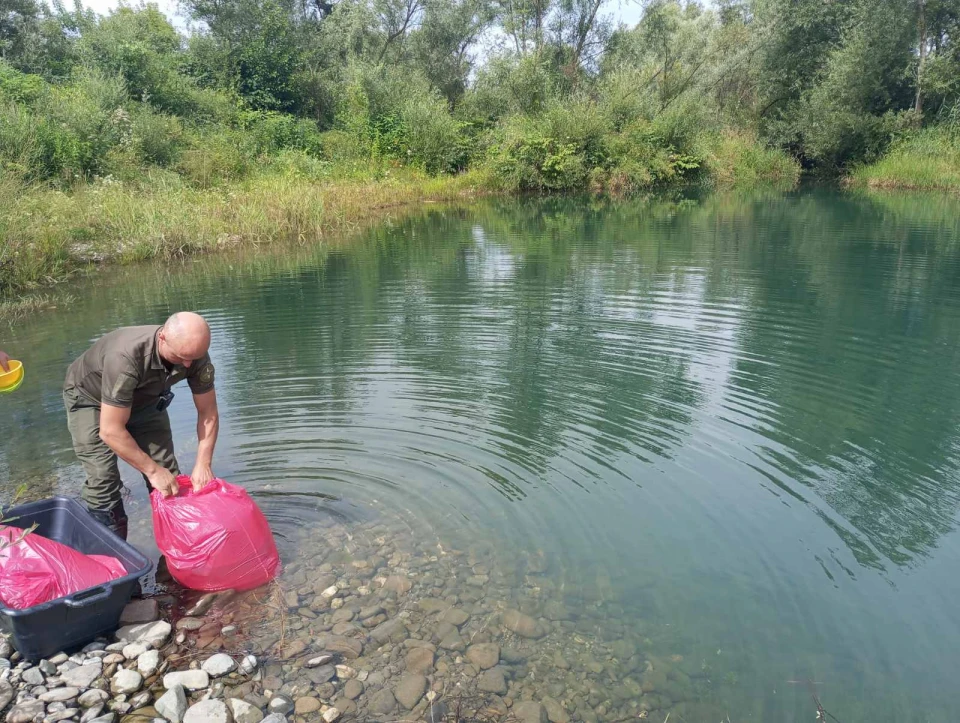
[[201, 375], [120, 380]]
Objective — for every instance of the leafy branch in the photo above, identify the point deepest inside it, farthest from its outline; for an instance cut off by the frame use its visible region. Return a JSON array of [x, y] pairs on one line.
[[5, 520]]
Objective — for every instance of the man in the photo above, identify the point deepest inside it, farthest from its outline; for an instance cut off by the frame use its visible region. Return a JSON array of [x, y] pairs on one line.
[[116, 395]]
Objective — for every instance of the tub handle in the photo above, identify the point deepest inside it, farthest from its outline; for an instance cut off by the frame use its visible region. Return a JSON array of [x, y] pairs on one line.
[[93, 595]]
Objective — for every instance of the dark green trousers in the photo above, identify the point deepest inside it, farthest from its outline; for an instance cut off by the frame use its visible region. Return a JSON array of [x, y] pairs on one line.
[[103, 487]]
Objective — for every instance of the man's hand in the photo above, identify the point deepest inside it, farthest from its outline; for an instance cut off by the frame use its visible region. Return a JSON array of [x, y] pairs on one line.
[[162, 479], [201, 476], [4, 361]]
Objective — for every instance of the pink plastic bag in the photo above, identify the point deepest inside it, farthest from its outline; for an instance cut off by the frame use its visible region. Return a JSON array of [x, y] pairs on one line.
[[214, 539], [36, 570]]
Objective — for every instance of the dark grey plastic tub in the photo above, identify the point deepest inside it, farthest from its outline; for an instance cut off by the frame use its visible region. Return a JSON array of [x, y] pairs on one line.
[[69, 622]]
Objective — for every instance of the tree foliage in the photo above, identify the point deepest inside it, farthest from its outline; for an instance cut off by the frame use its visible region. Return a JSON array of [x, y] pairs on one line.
[[449, 84]]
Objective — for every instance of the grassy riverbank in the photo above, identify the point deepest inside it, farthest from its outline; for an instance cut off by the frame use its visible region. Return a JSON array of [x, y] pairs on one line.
[[927, 161], [52, 231]]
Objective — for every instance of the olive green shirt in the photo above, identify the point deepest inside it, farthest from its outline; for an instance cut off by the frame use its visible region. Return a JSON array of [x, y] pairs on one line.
[[124, 369]]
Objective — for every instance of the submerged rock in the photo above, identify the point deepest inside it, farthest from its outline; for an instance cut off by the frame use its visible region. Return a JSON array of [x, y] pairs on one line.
[[410, 690], [492, 681], [521, 624], [484, 655], [529, 712]]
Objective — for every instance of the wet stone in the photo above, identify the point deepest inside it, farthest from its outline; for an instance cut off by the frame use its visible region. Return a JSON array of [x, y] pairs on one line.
[[410, 690], [155, 634], [203, 605], [419, 660], [455, 616], [307, 705], [219, 665], [484, 655], [60, 695], [347, 647], [66, 714], [281, 704], [521, 624], [453, 642], [343, 615], [393, 630], [318, 661], [189, 624], [126, 681], [92, 713], [25, 712], [529, 712], [398, 584], [353, 689], [6, 694], [47, 668], [32, 676], [140, 611], [320, 675], [555, 712], [189, 679], [492, 681], [432, 605], [369, 612]]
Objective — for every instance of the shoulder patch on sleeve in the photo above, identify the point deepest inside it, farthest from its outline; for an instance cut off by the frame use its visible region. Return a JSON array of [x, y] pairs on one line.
[[206, 374]]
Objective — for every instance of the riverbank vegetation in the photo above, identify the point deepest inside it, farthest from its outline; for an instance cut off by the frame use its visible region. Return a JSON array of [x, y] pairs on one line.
[[124, 137]]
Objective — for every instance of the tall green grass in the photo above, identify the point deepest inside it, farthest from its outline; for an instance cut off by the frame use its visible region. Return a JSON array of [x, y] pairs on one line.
[[50, 233], [928, 160]]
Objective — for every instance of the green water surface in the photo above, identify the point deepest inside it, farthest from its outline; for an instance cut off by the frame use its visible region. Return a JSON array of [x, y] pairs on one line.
[[741, 415]]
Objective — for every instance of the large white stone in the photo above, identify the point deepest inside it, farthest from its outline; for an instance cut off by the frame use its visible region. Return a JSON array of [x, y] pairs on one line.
[[243, 712], [172, 705], [59, 695], [148, 662], [132, 651], [126, 681], [83, 675], [208, 711], [248, 665], [219, 664], [189, 679], [155, 634]]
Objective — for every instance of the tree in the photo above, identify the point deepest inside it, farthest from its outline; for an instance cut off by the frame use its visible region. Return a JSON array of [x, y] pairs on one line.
[[580, 34], [441, 46]]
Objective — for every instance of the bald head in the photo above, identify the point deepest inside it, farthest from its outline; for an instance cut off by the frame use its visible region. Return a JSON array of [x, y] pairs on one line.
[[184, 338]]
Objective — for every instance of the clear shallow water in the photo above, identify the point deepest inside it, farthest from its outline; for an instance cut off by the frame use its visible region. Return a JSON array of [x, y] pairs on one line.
[[730, 424]]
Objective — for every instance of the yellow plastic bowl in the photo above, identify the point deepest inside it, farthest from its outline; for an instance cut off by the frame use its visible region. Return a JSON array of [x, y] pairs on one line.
[[12, 379]]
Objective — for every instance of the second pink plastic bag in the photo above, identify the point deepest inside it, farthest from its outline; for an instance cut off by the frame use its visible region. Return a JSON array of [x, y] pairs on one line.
[[35, 570], [214, 539]]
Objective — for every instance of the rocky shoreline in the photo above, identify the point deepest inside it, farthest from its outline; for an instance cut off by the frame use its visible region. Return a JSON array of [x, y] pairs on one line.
[[370, 623]]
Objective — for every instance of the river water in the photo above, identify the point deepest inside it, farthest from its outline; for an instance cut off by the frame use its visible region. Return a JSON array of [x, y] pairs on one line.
[[721, 432]]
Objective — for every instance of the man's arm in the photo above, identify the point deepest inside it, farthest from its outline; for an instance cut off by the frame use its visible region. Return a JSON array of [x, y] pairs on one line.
[[208, 427], [113, 431], [4, 361]]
